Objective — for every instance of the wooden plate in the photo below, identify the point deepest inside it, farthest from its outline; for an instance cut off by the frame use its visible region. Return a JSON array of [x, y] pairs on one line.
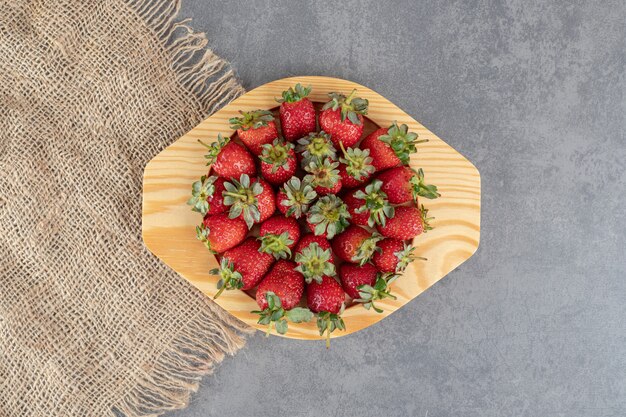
[[169, 224]]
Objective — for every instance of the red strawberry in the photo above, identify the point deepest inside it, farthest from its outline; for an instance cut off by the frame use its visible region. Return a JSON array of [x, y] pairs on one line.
[[242, 267], [309, 238], [278, 162], [206, 195], [390, 147], [250, 199], [315, 259], [328, 216], [327, 300], [353, 276], [297, 114], [229, 159], [353, 204], [278, 295], [284, 281], [356, 167], [315, 147], [279, 235], [407, 223], [255, 129], [323, 176], [356, 245], [402, 184], [294, 197], [342, 118], [216, 200], [394, 256], [220, 233], [266, 201], [347, 181]]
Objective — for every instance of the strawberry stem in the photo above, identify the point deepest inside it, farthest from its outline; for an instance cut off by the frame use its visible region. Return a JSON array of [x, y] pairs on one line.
[[220, 292], [345, 154], [269, 329], [328, 333], [350, 97]]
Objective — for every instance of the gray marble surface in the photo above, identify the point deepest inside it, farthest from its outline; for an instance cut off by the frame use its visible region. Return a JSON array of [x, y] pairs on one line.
[[533, 93]]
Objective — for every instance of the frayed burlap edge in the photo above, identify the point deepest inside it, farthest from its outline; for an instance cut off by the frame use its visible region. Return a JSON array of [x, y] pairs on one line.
[[204, 341], [178, 371]]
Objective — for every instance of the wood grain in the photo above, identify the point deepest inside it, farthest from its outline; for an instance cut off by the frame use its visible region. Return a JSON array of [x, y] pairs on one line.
[[169, 224]]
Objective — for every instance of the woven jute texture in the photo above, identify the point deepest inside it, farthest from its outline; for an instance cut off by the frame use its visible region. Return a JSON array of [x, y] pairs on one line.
[[91, 324]]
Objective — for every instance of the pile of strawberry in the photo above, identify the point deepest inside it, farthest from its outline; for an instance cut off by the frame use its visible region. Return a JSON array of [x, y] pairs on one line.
[[335, 218]]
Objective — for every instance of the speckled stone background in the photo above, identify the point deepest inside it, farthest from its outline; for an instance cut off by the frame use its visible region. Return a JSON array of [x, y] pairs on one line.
[[533, 93]]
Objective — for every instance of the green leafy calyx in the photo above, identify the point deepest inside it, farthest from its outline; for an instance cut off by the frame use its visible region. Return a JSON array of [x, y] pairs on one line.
[[358, 162], [366, 249], [277, 154], [376, 204], [401, 141], [369, 294], [241, 196], [251, 120], [315, 262], [328, 322], [316, 147], [230, 278], [425, 219], [420, 188], [276, 245], [202, 234], [322, 174], [200, 191], [214, 148], [299, 195], [329, 215], [405, 256], [292, 95], [276, 315], [350, 106]]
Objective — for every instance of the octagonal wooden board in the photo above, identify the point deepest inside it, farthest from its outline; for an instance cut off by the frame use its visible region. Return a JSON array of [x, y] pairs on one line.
[[168, 224]]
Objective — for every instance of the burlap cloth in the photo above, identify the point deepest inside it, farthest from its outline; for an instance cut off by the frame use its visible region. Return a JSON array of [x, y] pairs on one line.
[[91, 324]]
